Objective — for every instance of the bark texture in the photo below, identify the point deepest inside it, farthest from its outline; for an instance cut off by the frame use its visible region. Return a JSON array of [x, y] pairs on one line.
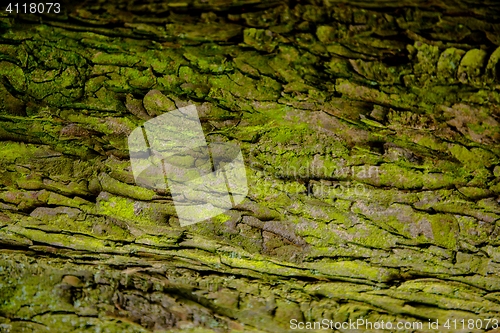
[[371, 135]]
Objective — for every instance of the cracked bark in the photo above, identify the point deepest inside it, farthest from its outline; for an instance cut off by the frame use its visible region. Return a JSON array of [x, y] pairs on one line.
[[371, 137]]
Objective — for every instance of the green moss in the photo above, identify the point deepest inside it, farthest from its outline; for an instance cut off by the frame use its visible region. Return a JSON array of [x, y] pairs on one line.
[[448, 63], [473, 230], [14, 74], [114, 186], [76, 242], [221, 218], [16, 152], [295, 153], [471, 66], [495, 188], [260, 39], [193, 83], [374, 238], [394, 175], [33, 291], [445, 230], [258, 90], [209, 61], [122, 208], [474, 193], [156, 103], [472, 159], [491, 70], [115, 59], [427, 57], [325, 33], [431, 142], [353, 270]]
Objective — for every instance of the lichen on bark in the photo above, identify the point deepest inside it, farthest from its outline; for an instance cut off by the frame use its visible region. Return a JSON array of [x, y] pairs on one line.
[[370, 135]]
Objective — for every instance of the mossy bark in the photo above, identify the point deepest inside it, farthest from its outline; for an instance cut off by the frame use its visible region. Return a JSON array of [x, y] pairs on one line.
[[371, 136]]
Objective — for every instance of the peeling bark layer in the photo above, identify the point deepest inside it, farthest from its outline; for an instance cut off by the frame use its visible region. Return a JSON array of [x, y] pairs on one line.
[[371, 135]]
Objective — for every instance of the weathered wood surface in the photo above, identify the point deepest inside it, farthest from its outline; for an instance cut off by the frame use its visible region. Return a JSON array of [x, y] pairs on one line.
[[371, 132]]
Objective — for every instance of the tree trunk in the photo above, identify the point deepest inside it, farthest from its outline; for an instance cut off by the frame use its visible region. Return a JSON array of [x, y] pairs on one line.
[[370, 132]]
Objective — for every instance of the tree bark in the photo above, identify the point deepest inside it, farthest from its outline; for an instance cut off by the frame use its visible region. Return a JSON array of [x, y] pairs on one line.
[[370, 132]]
